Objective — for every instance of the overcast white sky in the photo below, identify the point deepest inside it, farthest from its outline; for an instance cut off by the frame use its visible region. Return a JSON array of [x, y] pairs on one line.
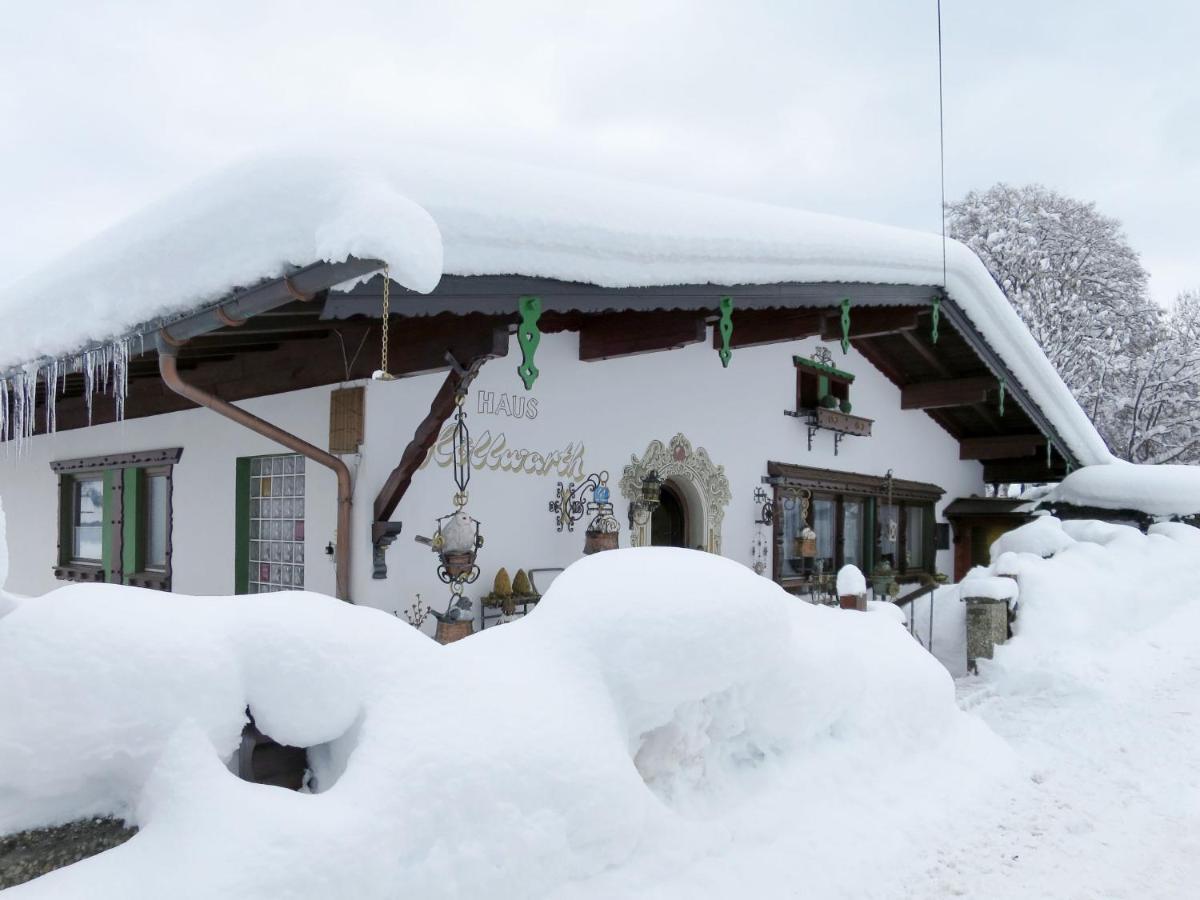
[[830, 106]]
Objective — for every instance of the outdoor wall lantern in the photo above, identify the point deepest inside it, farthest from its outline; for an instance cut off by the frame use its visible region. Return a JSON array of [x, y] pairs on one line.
[[571, 504], [641, 509]]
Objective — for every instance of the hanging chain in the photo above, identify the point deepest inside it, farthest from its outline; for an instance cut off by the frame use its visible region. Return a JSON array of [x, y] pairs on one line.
[[386, 374], [461, 452]]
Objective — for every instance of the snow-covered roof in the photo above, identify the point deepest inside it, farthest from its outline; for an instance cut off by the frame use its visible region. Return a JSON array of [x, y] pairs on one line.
[[429, 214], [1155, 490]]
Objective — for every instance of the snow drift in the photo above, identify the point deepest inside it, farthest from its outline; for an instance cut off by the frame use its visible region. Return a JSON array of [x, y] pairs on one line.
[[1088, 589], [656, 706]]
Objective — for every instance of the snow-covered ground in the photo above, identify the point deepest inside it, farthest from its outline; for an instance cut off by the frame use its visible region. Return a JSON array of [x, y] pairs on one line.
[[665, 724]]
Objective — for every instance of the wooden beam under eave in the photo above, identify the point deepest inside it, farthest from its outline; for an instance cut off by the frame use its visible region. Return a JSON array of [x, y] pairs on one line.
[[756, 327], [629, 333], [1030, 470], [1001, 446], [870, 322], [948, 392]]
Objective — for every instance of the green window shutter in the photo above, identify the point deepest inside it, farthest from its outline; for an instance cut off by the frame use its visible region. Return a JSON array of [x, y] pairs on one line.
[[133, 525], [241, 551]]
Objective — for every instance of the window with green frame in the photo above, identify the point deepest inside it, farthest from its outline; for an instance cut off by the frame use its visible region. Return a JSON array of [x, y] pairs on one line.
[[850, 518], [269, 550], [115, 517]]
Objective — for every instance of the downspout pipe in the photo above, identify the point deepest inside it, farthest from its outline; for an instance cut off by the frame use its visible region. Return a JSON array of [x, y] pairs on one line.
[[168, 349]]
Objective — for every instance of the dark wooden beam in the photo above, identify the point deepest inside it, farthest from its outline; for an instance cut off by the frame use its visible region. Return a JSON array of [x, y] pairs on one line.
[[871, 352], [628, 334], [867, 322], [423, 439], [951, 392], [417, 346], [755, 327], [1029, 470], [926, 353], [1001, 446]]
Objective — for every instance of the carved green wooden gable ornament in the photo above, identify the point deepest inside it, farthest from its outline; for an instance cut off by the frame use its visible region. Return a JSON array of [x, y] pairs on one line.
[[725, 329], [528, 336]]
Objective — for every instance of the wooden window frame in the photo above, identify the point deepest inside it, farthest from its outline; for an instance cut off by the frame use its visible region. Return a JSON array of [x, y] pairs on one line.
[[870, 489], [123, 533]]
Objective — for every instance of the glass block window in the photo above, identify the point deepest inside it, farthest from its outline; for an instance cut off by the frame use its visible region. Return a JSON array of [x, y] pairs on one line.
[[276, 556]]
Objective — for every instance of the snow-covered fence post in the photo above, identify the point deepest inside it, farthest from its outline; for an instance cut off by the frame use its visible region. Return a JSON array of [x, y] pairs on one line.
[[852, 588]]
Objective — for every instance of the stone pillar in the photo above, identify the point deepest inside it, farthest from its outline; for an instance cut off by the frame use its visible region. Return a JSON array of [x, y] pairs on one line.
[[987, 626]]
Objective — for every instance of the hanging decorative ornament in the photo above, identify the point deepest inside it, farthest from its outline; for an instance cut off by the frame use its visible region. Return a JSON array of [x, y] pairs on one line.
[[759, 550], [457, 539], [382, 373], [725, 330], [604, 529], [893, 526], [935, 317], [845, 325], [805, 543]]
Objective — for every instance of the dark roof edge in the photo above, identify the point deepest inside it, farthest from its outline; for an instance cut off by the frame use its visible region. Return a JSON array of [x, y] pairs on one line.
[[1012, 384]]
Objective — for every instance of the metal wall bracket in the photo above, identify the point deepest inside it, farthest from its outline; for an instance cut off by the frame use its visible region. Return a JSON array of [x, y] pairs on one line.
[[383, 535]]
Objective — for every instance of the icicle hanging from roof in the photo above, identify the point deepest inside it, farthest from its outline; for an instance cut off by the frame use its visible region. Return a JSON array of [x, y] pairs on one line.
[[104, 370]]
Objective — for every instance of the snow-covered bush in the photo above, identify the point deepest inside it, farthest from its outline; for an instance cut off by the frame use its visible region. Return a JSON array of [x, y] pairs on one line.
[[651, 696]]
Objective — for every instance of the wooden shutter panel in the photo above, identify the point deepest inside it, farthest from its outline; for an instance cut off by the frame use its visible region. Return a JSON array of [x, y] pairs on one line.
[[346, 420]]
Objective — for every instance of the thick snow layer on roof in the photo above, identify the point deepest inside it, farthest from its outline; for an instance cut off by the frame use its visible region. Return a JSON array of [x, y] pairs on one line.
[[659, 709], [432, 213], [1154, 490]]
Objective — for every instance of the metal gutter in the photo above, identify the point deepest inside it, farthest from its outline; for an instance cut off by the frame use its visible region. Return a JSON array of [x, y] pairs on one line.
[[241, 305], [302, 284]]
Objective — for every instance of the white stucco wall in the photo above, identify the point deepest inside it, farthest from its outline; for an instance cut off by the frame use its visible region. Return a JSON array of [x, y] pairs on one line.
[[614, 408]]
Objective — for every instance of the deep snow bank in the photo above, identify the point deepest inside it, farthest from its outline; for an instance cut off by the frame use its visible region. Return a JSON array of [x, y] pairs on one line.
[[1088, 588], [652, 698]]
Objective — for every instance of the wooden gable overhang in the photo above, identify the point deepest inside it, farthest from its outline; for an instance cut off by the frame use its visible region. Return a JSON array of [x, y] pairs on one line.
[[327, 336]]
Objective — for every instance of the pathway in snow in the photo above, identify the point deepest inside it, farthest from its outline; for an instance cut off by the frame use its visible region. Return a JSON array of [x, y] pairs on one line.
[[1111, 806]]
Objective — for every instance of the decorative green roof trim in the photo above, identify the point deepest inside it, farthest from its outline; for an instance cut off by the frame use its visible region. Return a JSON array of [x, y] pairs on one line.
[[821, 367]]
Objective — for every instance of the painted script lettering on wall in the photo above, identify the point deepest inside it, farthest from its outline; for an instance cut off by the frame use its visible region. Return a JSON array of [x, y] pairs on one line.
[[489, 403], [491, 451]]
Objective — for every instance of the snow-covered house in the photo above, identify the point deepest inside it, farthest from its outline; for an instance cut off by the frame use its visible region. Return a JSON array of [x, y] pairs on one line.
[[810, 391]]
